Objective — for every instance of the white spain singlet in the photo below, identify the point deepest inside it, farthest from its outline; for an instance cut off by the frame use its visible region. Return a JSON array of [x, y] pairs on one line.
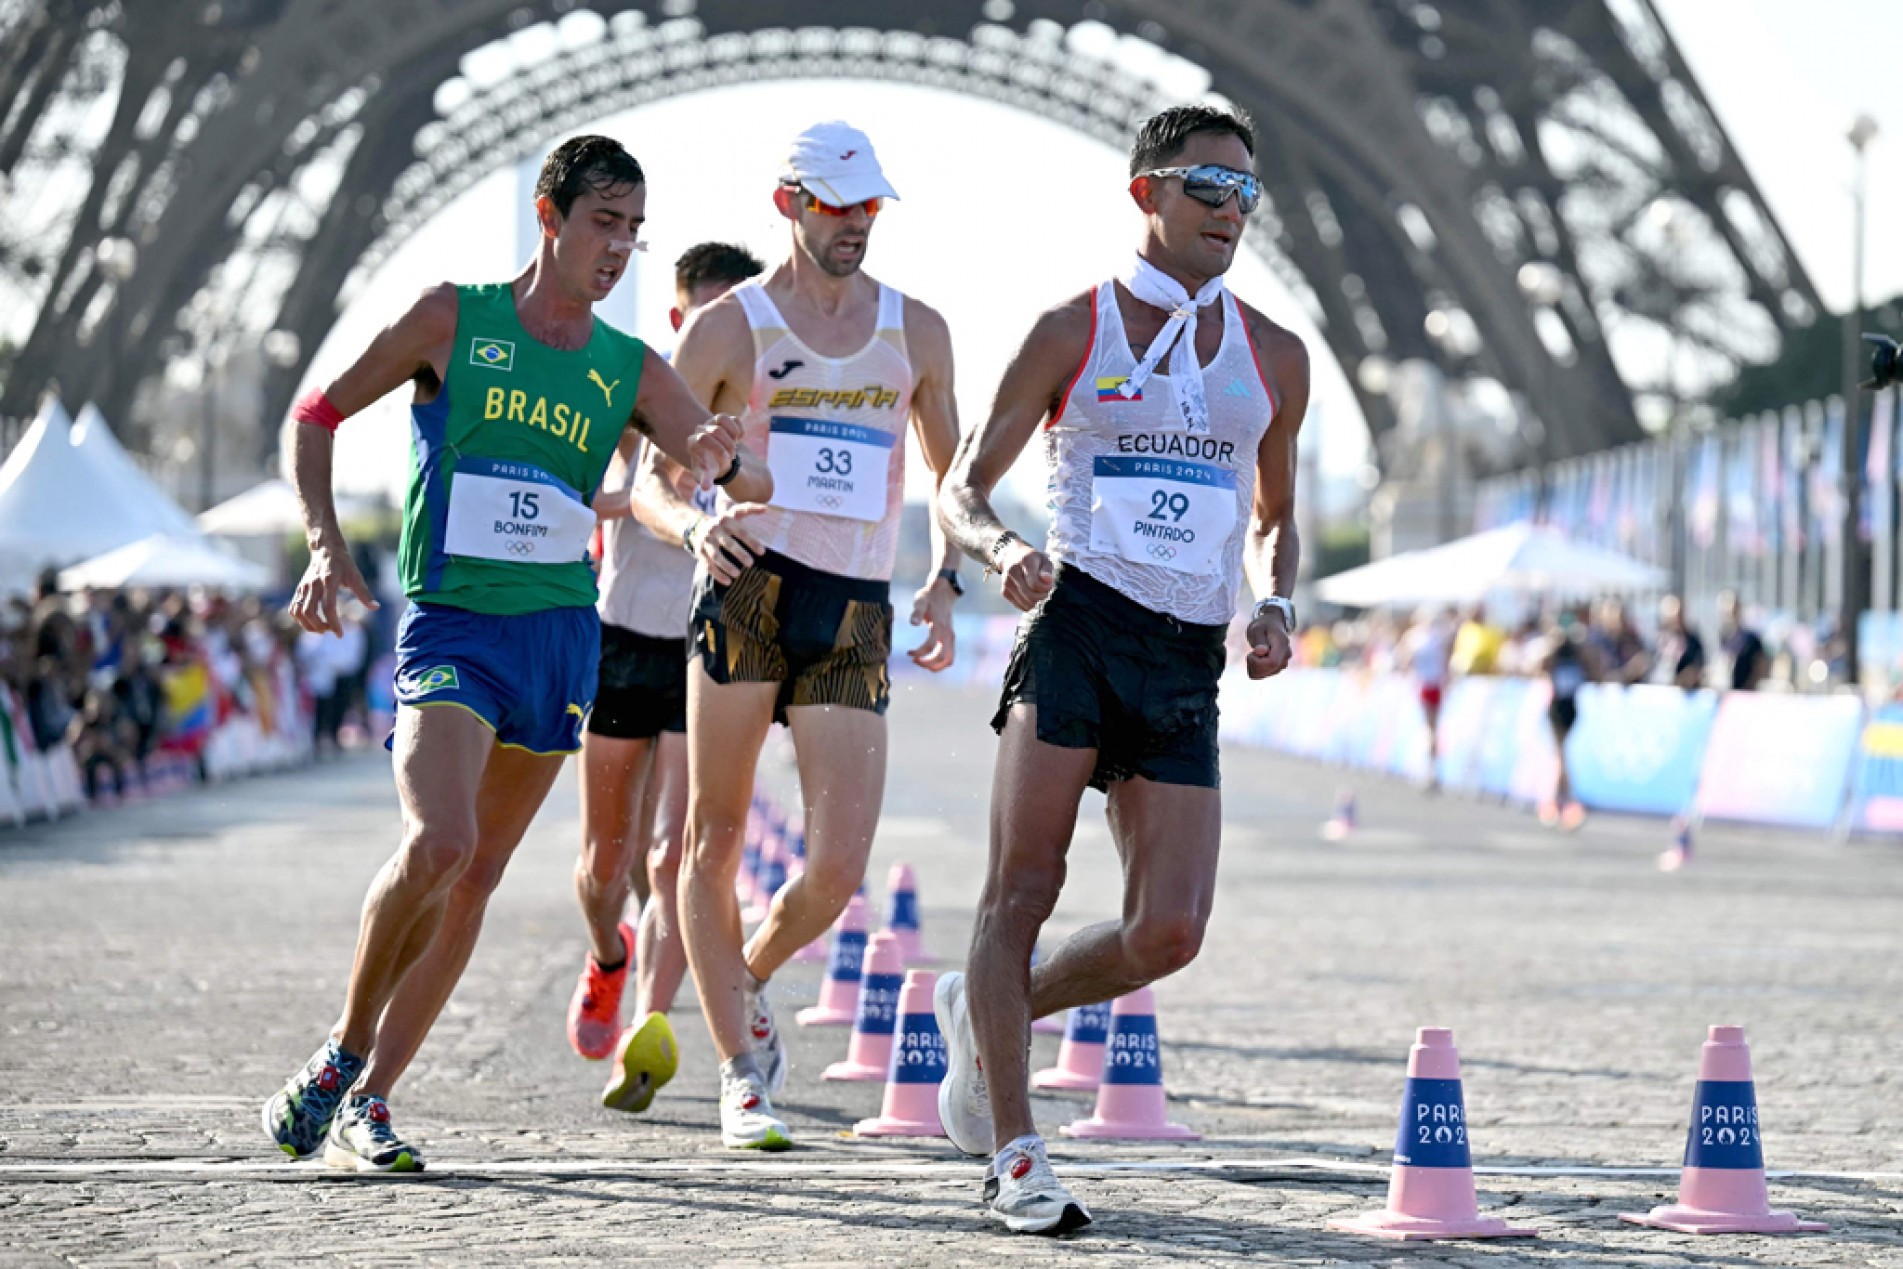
[[1139, 501], [832, 430]]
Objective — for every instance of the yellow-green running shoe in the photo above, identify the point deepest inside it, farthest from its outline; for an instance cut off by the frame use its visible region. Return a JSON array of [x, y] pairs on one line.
[[646, 1059]]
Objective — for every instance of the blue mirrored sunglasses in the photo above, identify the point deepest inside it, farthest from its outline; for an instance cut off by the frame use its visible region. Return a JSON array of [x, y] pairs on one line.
[[1212, 183]]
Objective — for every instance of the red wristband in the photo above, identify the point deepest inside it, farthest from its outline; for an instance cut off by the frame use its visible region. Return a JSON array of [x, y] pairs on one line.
[[315, 408]]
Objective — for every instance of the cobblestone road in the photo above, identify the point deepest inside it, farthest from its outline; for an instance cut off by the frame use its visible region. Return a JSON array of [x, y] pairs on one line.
[[162, 968]]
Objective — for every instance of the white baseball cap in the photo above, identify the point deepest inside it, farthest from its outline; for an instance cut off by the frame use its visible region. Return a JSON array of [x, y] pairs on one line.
[[835, 161]]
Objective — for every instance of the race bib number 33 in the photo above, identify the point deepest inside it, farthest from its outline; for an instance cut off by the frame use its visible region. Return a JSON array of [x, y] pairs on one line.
[[1163, 511], [515, 512], [836, 469]]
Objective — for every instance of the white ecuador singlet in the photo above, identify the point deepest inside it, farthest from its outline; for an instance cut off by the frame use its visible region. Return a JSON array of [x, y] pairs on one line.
[[646, 582], [832, 430], [1138, 500]]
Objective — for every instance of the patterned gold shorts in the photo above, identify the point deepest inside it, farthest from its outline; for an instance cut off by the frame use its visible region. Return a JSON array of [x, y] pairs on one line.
[[823, 638]]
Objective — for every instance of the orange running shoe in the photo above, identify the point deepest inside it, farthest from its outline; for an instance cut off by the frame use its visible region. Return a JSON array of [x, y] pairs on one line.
[[594, 1012]]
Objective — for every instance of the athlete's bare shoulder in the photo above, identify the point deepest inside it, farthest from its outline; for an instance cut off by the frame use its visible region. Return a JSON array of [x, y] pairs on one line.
[[1064, 331], [430, 321], [1280, 354], [927, 333], [723, 321]]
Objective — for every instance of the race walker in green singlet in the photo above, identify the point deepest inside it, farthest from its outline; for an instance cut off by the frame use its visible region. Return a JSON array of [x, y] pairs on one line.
[[496, 524]]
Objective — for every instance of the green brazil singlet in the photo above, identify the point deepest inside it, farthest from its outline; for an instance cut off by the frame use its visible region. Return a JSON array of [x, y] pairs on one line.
[[507, 458]]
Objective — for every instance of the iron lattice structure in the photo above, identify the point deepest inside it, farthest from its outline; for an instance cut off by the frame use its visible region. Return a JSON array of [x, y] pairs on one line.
[[1532, 191]]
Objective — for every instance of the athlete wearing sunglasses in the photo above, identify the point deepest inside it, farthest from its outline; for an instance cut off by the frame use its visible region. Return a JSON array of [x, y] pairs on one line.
[[819, 206], [1166, 411], [1212, 183]]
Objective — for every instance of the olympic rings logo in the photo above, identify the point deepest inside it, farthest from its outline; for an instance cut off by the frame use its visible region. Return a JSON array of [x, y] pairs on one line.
[[1162, 551], [831, 500], [520, 548]]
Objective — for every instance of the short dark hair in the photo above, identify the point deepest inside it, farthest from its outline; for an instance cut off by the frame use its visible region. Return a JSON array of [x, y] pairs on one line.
[[587, 162], [1163, 135], [715, 262]]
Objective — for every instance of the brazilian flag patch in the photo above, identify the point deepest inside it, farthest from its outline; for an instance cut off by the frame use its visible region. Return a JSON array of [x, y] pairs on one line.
[[496, 354], [435, 679]]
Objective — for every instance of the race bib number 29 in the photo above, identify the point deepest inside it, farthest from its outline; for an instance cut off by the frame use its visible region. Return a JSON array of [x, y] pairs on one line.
[[1163, 511], [836, 469]]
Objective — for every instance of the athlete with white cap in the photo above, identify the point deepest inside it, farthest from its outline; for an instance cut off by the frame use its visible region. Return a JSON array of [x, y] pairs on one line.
[[792, 617], [1168, 478], [634, 749]]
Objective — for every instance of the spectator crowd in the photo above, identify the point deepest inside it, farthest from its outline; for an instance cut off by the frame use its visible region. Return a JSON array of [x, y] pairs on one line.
[[1439, 644], [119, 676]]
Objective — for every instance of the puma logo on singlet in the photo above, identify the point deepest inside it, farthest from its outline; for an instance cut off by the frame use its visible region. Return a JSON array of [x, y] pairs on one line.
[[847, 155], [784, 370], [607, 389]]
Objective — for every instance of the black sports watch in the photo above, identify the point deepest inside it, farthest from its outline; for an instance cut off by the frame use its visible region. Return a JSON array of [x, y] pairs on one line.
[[950, 577]]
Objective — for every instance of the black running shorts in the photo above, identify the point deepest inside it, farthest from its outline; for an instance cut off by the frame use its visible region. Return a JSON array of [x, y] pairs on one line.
[[1108, 674], [823, 638], [643, 687]]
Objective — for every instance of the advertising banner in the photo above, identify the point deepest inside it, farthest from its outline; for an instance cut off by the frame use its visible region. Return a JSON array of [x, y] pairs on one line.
[[1775, 759]]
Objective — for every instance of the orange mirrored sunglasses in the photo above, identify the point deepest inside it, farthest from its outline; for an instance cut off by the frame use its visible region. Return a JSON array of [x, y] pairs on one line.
[[870, 206]]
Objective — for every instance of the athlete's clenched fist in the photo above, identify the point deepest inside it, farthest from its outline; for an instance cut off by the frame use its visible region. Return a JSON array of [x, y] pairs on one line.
[[714, 447]]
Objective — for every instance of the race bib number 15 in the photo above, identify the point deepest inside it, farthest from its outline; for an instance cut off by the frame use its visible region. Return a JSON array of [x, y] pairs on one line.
[[515, 512], [1162, 511], [836, 469]]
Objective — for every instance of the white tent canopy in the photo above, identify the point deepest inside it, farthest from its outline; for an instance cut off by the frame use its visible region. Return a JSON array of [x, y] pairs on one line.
[[138, 502], [54, 507], [267, 510], [165, 560], [1517, 559]]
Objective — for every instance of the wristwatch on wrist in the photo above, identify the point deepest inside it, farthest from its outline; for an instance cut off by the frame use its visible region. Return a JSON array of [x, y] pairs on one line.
[[950, 577], [1275, 603], [687, 534], [733, 469]]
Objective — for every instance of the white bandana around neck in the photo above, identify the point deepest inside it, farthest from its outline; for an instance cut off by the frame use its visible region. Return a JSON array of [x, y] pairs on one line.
[[1158, 289]]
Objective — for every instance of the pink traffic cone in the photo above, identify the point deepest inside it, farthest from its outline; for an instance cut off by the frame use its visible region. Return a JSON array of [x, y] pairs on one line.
[[839, 993], [817, 950], [745, 884], [773, 861], [1079, 1066], [869, 1056], [910, 1108], [1344, 819], [1431, 1190], [1130, 1098], [1721, 1190], [1052, 1025], [902, 913], [1680, 853]]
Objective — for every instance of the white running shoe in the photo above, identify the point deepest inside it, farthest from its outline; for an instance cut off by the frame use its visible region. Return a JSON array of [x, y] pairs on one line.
[[1026, 1195], [964, 1101], [747, 1121], [769, 1047]]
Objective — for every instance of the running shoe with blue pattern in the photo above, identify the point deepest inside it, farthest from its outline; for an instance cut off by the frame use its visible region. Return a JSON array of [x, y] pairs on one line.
[[362, 1140], [299, 1115]]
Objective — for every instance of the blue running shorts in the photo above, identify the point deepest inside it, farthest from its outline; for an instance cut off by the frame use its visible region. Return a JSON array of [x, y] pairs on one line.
[[530, 677]]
